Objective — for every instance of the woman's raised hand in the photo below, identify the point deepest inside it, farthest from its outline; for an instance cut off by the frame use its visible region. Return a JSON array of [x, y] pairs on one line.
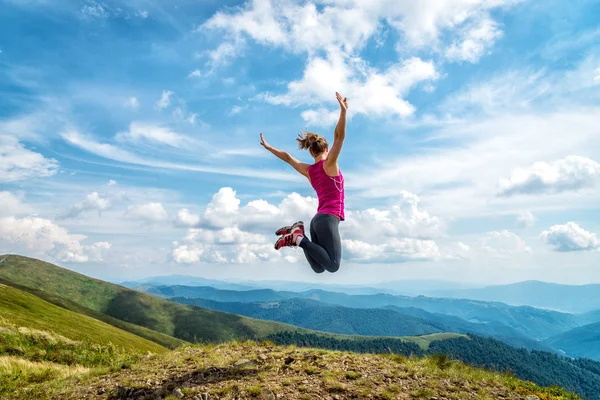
[[342, 100], [263, 142]]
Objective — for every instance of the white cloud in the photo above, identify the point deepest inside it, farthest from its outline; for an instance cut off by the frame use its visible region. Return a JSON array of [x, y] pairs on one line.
[[41, 237], [569, 173], [380, 93], [141, 132], [112, 182], [186, 218], [18, 163], [402, 219], [236, 110], [394, 251], [165, 99], [92, 202], [474, 41], [570, 237], [116, 153], [321, 117], [94, 10], [12, 205], [132, 102], [526, 219], [503, 244], [149, 212], [226, 228], [341, 28]]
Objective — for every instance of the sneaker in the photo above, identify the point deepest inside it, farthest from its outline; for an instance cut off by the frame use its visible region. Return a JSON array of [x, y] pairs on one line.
[[289, 240], [288, 229]]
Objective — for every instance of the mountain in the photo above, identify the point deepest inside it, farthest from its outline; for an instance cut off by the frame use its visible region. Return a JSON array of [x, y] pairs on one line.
[[579, 342], [566, 298], [211, 293], [263, 371], [495, 330], [22, 309], [85, 294], [172, 280], [390, 321], [529, 322], [318, 316]]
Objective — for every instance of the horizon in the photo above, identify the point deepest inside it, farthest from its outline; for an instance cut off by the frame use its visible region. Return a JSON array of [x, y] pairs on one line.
[[129, 137]]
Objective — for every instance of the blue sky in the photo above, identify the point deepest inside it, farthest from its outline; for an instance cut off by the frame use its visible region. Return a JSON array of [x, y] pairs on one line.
[[129, 136]]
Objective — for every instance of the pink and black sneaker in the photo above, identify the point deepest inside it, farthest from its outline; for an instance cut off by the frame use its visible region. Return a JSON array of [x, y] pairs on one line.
[[290, 239], [288, 229]]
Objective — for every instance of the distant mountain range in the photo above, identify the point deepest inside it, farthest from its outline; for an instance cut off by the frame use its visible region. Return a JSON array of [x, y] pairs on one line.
[[536, 324], [551, 296], [566, 298]]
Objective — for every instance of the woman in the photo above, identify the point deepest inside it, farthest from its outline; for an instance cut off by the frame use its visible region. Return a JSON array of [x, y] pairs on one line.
[[324, 249]]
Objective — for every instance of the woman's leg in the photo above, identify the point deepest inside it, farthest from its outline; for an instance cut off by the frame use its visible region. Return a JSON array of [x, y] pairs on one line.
[[314, 264], [325, 249]]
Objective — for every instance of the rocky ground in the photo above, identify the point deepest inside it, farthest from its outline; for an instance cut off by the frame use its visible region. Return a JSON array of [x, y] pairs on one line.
[[264, 371]]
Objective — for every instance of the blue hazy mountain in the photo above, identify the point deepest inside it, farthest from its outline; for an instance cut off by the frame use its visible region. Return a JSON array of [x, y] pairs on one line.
[[579, 342], [567, 298]]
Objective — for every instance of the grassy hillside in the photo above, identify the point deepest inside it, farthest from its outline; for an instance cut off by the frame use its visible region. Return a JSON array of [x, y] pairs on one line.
[[249, 370], [579, 342], [188, 323], [22, 309]]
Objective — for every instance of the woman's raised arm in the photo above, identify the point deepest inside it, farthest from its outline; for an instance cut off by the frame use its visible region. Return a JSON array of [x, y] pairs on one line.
[[302, 168]]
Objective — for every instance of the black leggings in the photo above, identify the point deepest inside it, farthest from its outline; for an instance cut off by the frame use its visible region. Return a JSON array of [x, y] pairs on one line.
[[324, 250]]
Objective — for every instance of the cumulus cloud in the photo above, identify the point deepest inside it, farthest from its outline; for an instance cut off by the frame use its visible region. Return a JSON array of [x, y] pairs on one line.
[[11, 205], [42, 237], [393, 251], [18, 163], [186, 218], [149, 212], [340, 29], [570, 173], [400, 233], [165, 99], [380, 92], [404, 218], [526, 219], [570, 237], [93, 202], [503, 244]]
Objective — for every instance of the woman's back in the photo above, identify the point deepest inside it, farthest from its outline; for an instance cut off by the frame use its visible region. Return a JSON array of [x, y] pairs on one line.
[[329, 189]]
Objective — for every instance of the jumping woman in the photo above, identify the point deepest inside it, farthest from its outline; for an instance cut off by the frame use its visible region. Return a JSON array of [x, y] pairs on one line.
[[324, 249]]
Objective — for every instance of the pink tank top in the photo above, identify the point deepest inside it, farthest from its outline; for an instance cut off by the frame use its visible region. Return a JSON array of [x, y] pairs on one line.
[[330, 190]]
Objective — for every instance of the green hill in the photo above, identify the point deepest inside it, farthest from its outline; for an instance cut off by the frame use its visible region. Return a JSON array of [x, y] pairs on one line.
[[579, 342], [89, 295], [22, 309]]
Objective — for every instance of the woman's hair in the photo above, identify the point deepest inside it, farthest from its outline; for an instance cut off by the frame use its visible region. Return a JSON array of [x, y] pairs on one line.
[[312, 142]]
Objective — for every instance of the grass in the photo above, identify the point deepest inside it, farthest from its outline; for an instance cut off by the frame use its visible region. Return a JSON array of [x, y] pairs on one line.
[[16, 374], [380, 376], [22, 309]]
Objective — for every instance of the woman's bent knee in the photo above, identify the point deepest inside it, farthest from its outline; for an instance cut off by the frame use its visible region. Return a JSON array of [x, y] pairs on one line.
[[333, 267]]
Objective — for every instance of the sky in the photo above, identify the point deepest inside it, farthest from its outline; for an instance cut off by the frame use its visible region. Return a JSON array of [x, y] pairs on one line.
[[129, 136]]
